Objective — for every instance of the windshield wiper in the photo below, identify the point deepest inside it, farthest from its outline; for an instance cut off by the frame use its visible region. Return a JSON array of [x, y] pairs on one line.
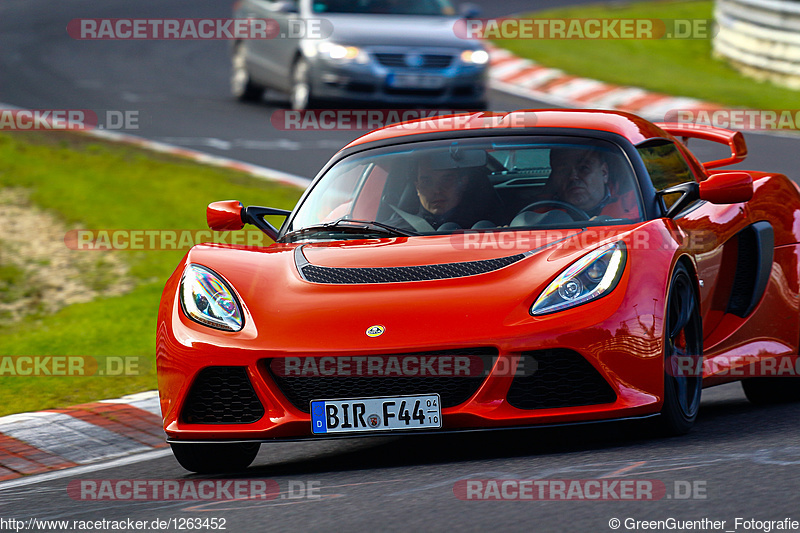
[[355, 226]]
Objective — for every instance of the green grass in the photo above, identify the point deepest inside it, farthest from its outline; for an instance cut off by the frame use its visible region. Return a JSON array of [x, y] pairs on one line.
[[97, 185], [680, 67]]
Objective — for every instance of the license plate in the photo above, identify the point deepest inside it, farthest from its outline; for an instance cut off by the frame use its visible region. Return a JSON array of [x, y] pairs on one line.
[[415, 81], [376, 414]]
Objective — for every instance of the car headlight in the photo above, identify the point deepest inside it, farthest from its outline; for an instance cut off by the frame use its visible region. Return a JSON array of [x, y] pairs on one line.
[[588, 278], [338, 52], [206, 298], [475, 57]]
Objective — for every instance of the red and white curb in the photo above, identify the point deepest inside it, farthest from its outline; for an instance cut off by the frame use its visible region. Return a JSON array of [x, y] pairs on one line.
[[527, 79], [34, 443]]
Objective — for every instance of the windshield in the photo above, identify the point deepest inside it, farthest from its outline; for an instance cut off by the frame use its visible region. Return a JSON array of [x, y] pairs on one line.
[[473, 184], [385, 7]]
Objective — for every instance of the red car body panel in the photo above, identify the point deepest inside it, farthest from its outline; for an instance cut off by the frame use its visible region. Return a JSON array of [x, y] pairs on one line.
[[620, 334]]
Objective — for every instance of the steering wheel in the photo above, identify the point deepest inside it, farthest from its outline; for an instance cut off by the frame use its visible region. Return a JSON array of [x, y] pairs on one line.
[[575, 212]]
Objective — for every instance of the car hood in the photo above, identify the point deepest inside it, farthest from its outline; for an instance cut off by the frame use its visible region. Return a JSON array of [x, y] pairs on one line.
[[287, 313], [397, 30]]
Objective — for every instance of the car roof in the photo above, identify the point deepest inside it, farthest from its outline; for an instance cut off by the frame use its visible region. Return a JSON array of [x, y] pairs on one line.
[[632, 127]]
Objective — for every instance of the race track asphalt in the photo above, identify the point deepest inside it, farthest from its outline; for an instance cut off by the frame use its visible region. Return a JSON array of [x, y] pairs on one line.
[[742, 461]]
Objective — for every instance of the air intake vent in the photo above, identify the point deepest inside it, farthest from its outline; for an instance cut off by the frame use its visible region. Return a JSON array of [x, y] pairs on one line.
[[222, 395], [563, 378], [352, 276]]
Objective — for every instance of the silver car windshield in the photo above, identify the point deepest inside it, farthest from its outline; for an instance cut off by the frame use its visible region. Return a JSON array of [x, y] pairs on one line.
[[385, 7], [476, 184]]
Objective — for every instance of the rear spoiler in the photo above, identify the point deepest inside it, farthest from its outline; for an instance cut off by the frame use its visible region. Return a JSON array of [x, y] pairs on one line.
[[734, 139]]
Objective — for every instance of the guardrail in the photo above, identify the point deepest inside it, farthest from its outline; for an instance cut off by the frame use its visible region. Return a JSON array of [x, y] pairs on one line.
[[760, 38]]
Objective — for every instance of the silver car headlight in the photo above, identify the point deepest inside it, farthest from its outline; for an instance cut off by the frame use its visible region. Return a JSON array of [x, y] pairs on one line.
[[588, 278], [207, 299], [475, 57], [339, 52]]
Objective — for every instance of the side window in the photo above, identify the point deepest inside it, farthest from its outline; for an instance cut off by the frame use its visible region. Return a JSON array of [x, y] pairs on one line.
[[666, 166]]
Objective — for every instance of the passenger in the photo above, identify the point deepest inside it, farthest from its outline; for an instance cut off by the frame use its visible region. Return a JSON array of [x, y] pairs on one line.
[[451, 199]]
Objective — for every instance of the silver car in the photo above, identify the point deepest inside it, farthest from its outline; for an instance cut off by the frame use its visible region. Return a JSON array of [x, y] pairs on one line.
[[393, 52]]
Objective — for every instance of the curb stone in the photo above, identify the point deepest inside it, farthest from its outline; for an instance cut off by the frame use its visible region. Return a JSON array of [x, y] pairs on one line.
[[33, 443], [526, 78]]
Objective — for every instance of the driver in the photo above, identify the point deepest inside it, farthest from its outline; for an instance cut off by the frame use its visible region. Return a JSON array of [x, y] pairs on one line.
[[580, 177]]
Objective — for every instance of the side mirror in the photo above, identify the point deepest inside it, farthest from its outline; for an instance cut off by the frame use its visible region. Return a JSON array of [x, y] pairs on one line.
[[229, 215], [225, 215], [727, 188], [721, 188]]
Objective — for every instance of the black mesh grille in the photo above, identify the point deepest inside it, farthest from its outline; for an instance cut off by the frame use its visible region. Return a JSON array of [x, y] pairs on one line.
[[452, 390], [426, 60], [391, 60], [222, 395], [436, 61], [563, 378], [319, 274]]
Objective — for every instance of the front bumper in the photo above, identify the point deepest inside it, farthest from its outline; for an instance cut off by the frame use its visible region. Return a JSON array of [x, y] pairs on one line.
[[601, 360], [605, 379], [458, 85]]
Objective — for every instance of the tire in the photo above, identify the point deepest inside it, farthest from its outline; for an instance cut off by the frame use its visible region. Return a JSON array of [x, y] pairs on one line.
[[242, 86], [215, 458], [683, 356], [767, 391], [300, 97]]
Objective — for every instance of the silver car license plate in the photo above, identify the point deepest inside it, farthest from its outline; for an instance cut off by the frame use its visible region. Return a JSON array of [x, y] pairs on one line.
[[415, 81]]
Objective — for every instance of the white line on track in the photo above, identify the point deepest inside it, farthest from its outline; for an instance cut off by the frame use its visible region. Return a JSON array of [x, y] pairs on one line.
[[77, 470], [270, 174]]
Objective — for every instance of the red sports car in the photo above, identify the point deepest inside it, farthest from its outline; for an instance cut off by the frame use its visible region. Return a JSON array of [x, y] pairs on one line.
[[484, 271]]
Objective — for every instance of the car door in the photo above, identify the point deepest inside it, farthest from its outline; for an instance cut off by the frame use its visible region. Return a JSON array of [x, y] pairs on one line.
[[714, 235], [270, 60]]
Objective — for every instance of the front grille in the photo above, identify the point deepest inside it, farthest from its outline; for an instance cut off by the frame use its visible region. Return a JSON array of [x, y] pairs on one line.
[[222, 395], [563, 378], [391, 60], [437, 61], [453, 390], [357, 275]]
